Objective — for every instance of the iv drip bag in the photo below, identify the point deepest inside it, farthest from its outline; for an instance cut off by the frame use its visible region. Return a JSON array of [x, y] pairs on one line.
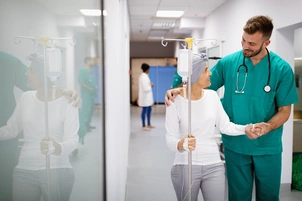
[[182, 63], [53, 62]]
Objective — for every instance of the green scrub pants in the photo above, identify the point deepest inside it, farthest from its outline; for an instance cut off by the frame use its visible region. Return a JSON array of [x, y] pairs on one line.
[[85, 114], [242, 169]]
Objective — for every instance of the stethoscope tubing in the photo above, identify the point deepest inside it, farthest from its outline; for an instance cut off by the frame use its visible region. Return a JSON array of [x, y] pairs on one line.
[[266, 88]]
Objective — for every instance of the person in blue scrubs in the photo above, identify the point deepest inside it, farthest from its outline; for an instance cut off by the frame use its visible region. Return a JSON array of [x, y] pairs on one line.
[[88, 94], [259, 87]]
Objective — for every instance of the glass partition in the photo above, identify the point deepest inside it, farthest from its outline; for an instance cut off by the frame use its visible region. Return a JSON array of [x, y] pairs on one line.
[[51, 55]]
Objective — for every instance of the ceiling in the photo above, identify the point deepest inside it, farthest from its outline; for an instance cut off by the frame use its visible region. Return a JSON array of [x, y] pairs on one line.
[[142, 15]]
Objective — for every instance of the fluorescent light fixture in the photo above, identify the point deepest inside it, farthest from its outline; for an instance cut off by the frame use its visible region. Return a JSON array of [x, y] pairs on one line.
[[96, 24], [155, 37], [93, 12], [166, 25], [169, 13]]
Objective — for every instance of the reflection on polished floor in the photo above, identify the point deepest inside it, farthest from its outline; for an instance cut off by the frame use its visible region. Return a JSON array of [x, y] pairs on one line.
[[150, 162]]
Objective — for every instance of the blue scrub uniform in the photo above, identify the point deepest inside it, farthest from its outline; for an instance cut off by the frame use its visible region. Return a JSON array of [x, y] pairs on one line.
[[245, 158], [88, 97]]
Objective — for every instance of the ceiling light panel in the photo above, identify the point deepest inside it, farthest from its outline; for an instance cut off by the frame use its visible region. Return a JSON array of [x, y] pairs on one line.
[[163, 25], [169, 13], [155, 38], [92, 12]]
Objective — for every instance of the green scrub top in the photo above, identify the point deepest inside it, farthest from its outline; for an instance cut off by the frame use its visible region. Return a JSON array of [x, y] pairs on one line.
[[86, 77], [12, 74], [254, 105], [177, 80]]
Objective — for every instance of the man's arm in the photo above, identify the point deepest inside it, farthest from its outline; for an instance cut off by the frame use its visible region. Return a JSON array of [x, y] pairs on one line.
[[86, 87], [277, 120], [171, 94]]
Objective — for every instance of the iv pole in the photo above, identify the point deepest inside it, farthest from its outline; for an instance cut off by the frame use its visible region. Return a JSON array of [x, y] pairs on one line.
[[189, 42], [44, 40]]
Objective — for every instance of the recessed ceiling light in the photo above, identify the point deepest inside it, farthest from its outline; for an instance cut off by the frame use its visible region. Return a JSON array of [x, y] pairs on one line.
[[163, 25], [169, 13], [93, 12], [155, 37]]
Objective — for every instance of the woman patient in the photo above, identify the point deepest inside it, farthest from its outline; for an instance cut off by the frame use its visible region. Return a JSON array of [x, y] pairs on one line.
[[30, 180], [207, 114]]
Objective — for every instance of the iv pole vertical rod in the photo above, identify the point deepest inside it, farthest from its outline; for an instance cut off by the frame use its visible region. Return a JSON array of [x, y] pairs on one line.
[[189, 41], [44, 41]]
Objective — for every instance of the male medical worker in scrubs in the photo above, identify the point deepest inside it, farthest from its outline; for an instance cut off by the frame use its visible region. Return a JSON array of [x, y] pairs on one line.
[[88, 95], [12, 75], [265, 95]]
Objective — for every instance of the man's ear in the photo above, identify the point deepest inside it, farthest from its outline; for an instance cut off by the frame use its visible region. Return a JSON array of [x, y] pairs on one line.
[[267, 43]]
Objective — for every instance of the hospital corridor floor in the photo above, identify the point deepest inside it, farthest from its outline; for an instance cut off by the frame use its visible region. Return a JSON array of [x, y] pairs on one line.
[[150, 161]]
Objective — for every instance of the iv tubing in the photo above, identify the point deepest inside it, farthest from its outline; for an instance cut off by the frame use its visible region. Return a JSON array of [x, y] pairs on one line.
[[184, 87], [53, 91]]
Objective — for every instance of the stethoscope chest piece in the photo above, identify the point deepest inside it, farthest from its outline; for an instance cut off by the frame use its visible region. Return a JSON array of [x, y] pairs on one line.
[[267, 88]]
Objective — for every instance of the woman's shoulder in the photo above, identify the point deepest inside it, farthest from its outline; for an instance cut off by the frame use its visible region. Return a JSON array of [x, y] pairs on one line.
[[211, 93], [28, 94]]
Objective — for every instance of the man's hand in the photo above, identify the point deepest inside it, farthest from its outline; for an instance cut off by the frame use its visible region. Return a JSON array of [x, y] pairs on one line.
[[262, 128], [254, 131], [250, 132], [171, 94], [72, 96]]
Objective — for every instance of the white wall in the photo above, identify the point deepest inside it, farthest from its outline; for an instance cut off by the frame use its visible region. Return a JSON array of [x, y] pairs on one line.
[[70, 82], [117, 98], [298, 43], [226, 23], [19, 18]]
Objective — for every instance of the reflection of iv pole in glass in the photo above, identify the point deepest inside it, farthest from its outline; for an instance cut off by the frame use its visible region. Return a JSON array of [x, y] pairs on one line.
[[185, 71], [52, 70]]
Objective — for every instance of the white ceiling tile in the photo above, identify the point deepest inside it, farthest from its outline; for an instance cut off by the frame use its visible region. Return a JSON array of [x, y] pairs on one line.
[[158, 32], [143, 2], [146, 8], [141, 12]]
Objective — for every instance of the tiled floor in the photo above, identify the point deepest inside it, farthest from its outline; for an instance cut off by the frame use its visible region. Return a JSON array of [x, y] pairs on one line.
[[150, 162]]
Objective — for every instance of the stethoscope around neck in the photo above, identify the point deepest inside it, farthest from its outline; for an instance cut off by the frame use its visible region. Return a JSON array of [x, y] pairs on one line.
[[266, 88]]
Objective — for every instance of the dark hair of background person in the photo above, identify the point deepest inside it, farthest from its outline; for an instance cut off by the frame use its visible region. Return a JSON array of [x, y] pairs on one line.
[[145, 67]]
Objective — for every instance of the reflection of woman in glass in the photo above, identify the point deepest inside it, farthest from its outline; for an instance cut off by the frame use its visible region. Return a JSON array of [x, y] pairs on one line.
[[30, 178]]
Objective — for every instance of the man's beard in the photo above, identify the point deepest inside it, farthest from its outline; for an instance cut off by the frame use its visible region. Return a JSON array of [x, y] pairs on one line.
[[254, 53]]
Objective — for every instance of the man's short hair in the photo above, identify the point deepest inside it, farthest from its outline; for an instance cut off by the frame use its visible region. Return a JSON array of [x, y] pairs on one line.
[[261, 24]]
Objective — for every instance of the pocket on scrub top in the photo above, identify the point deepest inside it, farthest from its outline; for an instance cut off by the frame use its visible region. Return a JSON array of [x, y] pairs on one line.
[[270, 140], [261, 107]]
